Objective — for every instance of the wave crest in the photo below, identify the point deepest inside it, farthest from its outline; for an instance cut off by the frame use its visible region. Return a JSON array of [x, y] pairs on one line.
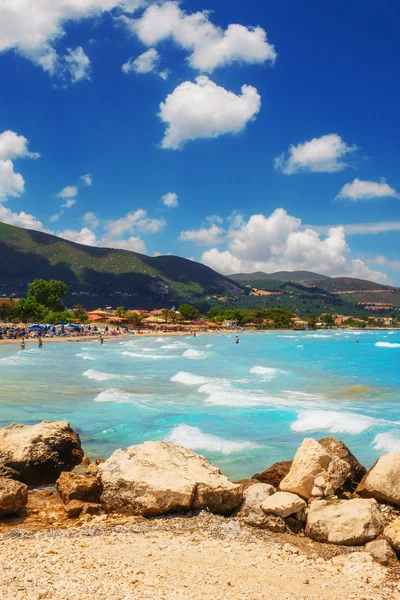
[[195, 439]]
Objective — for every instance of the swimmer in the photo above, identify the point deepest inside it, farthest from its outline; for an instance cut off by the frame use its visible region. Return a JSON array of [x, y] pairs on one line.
[[237, 339], [23, 344], [101, 340]]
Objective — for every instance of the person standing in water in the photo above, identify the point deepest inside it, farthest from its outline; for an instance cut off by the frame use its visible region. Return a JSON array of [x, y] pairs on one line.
[[40, 343], [237, 339], [101, 339], [23, 344]]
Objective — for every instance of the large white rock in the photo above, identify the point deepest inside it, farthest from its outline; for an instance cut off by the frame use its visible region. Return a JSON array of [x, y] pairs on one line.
[[13, 496], [253, 497], [40, 452], [381, 551], [383, 480], [310, 461], [158, 477], [283, 504], [348, 522], [392, 534]]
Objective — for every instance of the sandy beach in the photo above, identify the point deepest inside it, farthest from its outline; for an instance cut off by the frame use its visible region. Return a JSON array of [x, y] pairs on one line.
[[202, 557]]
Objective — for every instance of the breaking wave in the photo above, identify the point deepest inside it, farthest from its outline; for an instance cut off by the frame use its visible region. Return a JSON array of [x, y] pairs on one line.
[[194, 439], [389, 441], [85, 356], [100, 376], [266, 372], [189, 379], [387, 345], [194, 354], [332, 421]]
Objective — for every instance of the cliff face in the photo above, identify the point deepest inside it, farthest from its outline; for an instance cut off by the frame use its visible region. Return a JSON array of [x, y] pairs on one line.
[[97, 276]]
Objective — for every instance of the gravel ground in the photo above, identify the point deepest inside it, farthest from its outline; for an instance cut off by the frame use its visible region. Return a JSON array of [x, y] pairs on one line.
[[204, 557]]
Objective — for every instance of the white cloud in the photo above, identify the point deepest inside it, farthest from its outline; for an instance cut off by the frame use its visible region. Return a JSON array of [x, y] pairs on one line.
[[88, 238], [278, 243], [55, 218], [11, 183], [209, 46], [145, 63], [367, 190], [204, 236], [134, 244], [77, 64], [21, 219], [134, 221], [214, 219], [69, 191], [69, 203], [85, 236], [14, 146], [87, 179], [205, 110], [362, 228], [33, 27], [386, 262], [170, 200], [91, 219], [320, 155]]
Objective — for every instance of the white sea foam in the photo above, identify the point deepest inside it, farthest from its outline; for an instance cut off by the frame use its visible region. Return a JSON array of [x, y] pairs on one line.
[[389, 441], [85, 356], [121, 397], [23, 356], [147, 356], [332, 421], [221, 392], [297, 395], [387, 345], [266, 372], [299, 346], [209, 345], [194, 439], [287, 336], [175, 346], [194, 354], [100, 376], [317, 335], [189, 378]]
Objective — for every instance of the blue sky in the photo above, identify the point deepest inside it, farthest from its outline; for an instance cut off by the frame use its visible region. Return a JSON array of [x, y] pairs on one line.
[[249, 136]]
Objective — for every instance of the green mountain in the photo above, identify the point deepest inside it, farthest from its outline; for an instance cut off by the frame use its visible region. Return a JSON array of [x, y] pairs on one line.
[[101, 276]]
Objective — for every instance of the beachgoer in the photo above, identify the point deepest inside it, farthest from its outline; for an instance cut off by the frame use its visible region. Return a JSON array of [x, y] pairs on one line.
[[101, 339], [23, 344], [237, 339], [40, 344]]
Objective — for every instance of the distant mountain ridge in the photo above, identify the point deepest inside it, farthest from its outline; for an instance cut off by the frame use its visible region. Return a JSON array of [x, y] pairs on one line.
[[279, 275], [99, 276]]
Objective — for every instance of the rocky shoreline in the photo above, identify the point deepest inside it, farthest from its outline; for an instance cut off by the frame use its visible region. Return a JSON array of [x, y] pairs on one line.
[[321, 516]]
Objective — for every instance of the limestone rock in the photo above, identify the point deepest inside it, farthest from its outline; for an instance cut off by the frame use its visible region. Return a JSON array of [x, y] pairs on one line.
[[78, 486], [76, 508], [40, 452], [13, 496], [356, 471], [159, 477], [253, 497], [310, 461], [392, 534], [283, 504], [262, 521], [348, 522], [274, 474], [381, 551], [383, 480], [9, 472]]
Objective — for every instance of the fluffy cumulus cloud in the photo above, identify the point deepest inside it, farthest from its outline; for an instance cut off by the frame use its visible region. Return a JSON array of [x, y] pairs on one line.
[[386, 262], [362, 228], [144, 63], [278, 242], [170, 200], [21, 219], [69, 191], [33, 27], [367, 190], [136, 221], [205, 110], [326, 154], [12, 147], [91, 219], [208, 46], [206, 236]]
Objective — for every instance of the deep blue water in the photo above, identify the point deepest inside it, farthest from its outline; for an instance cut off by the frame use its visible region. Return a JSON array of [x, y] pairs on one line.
[[244, 406]]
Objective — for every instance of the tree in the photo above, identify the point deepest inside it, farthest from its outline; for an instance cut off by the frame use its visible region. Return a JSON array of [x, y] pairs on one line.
[[188, 312], [47, 293], [133, 318], [7, 307], [165, 313], [120, 311], [80, 313], [29, 310]]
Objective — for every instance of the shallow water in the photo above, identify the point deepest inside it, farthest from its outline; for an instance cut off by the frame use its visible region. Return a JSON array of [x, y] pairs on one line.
[[244, 406]]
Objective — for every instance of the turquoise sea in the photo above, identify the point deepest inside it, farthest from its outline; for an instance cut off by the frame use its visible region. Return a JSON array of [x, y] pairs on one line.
[[244, 406]]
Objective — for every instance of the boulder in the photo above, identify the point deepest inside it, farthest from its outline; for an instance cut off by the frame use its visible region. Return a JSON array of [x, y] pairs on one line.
[[262, 521], [275, 473], [253, 497], [348, 522], [283, 504], [8, 472], [392, 534], [383, 480], [381, 551], [310, 461], [159, 477], [356, 471], [40, 452], [78, 486], [13, 496]]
